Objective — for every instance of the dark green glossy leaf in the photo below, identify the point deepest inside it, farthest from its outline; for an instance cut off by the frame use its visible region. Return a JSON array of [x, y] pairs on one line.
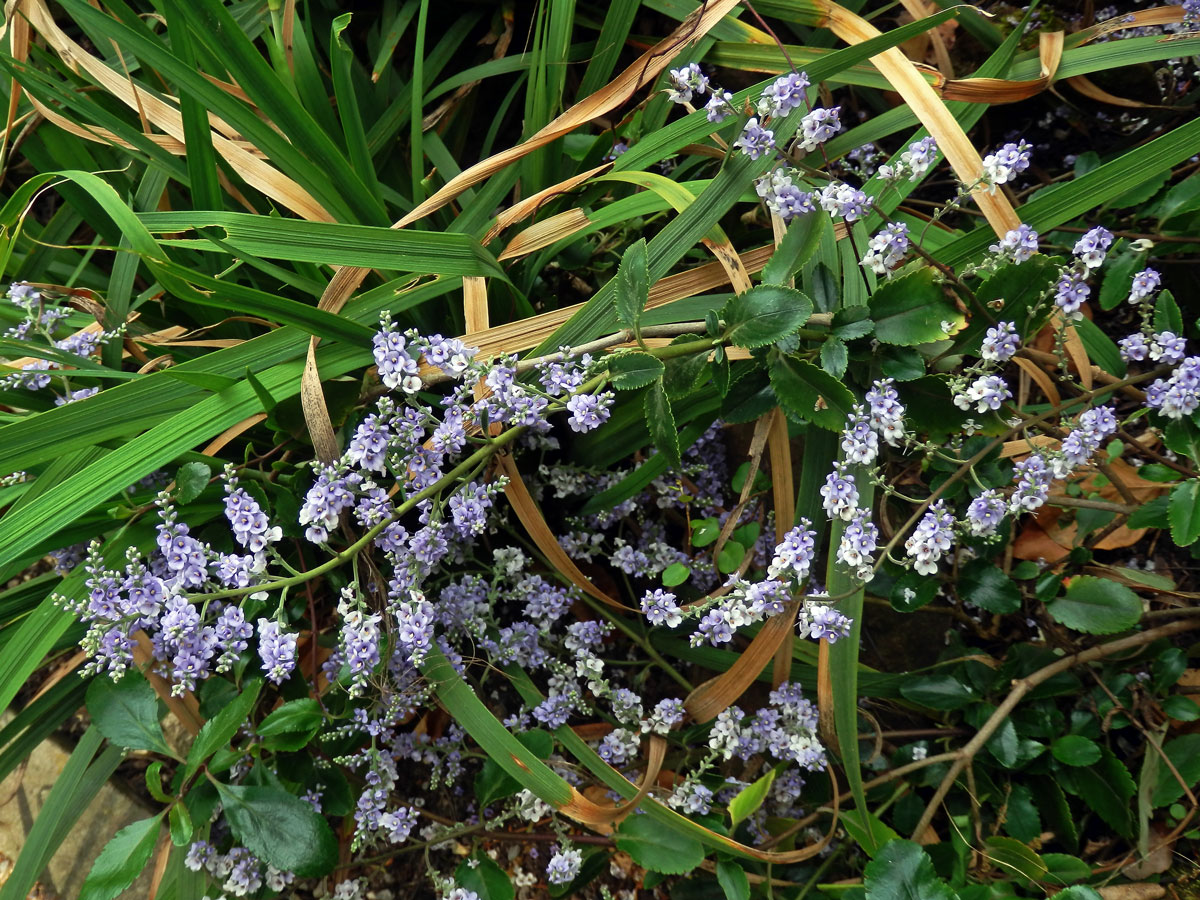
[[660, 422], [809, 394], [1014, 858], [984, 585], [126, 712], [1021, 818], [1184, 754], [938, 691], [280, 828], [292, 725], [481, 875], [903, 871], [181, 825], [1107, 787], [834, 357], [190, 480], [1096, 606], [632, 286], [1075, 750], [730, 875], [1183, 512], [218, 731]]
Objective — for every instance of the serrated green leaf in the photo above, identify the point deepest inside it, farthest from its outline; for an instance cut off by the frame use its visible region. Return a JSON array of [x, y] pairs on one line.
[[656, 848], [633, 286], [1167, 316], [190, 480], [634, 370], [292, 725], [1184, 754], [481, 875], [1021, 818], [1096, 606], [834, 357], [730, 875], [1075, 750], [220, 729], [280, 828], [1183, 512], [983, 584], [126, 712], [1014, 858], [913, 309], [1107, 787], [903, 871], [660, 422], [750, 798], [810, 394], [765, 314], [121, 860]]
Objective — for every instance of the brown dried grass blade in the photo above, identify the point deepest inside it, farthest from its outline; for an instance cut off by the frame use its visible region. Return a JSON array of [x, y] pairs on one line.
[[921, 97], [240, 155], [1075, 349], [779, 447], [640, 73], [530, 205], [999, 90], [1159, 15], [1009, 449], [918, 9], [545, 233], [184, 708], [584, 810], [1092, 91], [758, 443], [531, 518], [1038, 374], [218, 443]]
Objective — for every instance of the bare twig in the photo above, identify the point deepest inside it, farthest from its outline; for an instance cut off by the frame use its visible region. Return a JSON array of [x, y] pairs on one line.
[[1021, 687]]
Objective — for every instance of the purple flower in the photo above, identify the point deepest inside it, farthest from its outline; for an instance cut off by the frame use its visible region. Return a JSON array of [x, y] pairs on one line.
[[794, 554], [1093, 246], [414, 621], [714, 628], [589, 411], [840, 494], [719, 106], [1071, 292], [1145, 283], [1032, 476], [1000, 343], [397, 369], [692, 797], [887, 413], [1179, 396], [1134, 347], [858, 540], [1017, 245], [755, 140], [359, 643], [824, 622], [887, 248], [839, 199], [368, 448], [249, 523], [399, 823], [469, 508], [325, 501], [1167, 347], [932, 537], [660, 608], [1006, 163], [985, 513], [984, 393], [564, 866], [783, 95], [818, 126], [919, 156], [685, 82], [860, 444], [277, 650]]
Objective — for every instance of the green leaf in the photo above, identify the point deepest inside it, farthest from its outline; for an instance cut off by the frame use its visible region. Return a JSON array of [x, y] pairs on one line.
[[985, 585], [181, 825], [1078, 892], [1152, 514], [280, 828], [903, 871], [292, 725], [1013, 857], [730, 875], [221, 728], [1118, 278], [493, 783], [121, 860], [705, 531], [730, 557], [1167, 316], [1005, 745], [1075, 750], [1184, 754], [1107, 787], [1063, 868], [675, 574], [765, 314], [633, 286], [809, 394], [938, 691], [656, 848], [485, 878], [660, 422], [1185, 709], [1021, 818], [126, 712], [750, 798], [911, 310], [1096, 606], [834, 357], [154, 782], [634, 370], [867, 830], [190, 480], [797, 247], [1183, 512]]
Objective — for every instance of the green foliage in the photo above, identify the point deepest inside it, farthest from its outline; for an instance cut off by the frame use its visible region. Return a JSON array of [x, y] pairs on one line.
[[280, 828], [126, 712], [121, 860], [656, 848], [764, 315], [1096, 606]]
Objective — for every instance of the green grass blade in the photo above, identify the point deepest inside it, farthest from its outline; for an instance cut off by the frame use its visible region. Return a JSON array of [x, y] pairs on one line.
[[617, 22]]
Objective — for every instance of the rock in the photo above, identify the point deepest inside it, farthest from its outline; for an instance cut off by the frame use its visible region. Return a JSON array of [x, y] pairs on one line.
[[22, 795]]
